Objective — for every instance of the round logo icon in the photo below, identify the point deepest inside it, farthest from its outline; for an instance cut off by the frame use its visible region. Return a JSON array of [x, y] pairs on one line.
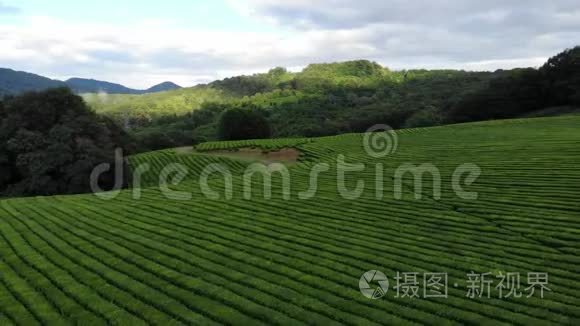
[[373, 284], [380, 140]]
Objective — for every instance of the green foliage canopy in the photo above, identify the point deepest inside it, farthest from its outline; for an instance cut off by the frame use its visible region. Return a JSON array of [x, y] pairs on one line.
[[50, 141], [236, 124]]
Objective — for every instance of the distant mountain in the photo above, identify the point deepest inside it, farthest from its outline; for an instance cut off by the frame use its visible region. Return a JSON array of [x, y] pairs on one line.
[[15, 82], [165, 86], [81, 85]]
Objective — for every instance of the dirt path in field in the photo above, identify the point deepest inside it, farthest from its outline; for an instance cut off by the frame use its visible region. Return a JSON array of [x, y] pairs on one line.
[[184, 150], [286, 155]]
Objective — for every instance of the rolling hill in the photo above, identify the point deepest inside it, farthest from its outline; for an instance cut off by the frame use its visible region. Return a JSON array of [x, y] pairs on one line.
[[345, 97], [81, 86], [162, 87], [323, 99], [146, 258]]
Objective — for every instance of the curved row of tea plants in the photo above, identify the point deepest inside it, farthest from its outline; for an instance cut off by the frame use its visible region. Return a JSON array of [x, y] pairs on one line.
[[159, 260]]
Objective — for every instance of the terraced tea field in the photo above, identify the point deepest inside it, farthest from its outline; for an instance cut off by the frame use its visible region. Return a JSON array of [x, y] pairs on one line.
[[196, 260]]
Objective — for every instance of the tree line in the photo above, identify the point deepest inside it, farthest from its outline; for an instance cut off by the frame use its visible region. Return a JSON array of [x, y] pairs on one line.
[[50, 141], [329, 99]]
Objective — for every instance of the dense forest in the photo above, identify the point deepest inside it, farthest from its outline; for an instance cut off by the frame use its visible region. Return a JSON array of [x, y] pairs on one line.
[[50, 141], [524, 91], [328, 99], [334, 98], [323, 99]]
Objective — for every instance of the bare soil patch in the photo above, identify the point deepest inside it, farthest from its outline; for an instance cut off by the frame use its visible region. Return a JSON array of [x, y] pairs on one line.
[[184, 150], [286, 155]]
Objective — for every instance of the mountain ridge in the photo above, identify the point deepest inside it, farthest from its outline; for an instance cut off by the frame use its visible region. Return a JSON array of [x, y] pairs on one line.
[[14, 82], [162, 87]]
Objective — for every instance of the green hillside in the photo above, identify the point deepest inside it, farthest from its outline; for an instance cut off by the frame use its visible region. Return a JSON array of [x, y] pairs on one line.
[[138, 109], [155, 260], [345, 97], [322, 99]]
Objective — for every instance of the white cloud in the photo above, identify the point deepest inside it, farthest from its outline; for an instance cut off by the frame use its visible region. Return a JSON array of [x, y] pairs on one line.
[[399, 34], [8, 10], [450, 30], [138, 55]]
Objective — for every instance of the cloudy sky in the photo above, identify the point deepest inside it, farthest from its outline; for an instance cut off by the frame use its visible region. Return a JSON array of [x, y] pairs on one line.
[[140, 43]]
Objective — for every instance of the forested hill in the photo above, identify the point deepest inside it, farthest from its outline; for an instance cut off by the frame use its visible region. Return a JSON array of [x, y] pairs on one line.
[[323, 99], [334, 98]]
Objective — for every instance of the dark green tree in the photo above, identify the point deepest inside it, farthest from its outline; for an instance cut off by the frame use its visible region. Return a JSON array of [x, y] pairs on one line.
[[561, 75], [235, 124], [50, 142]]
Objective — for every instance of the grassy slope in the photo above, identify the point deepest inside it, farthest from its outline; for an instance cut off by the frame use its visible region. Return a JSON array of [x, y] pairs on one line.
[[271, 90], [77, 258], [175, 102]]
